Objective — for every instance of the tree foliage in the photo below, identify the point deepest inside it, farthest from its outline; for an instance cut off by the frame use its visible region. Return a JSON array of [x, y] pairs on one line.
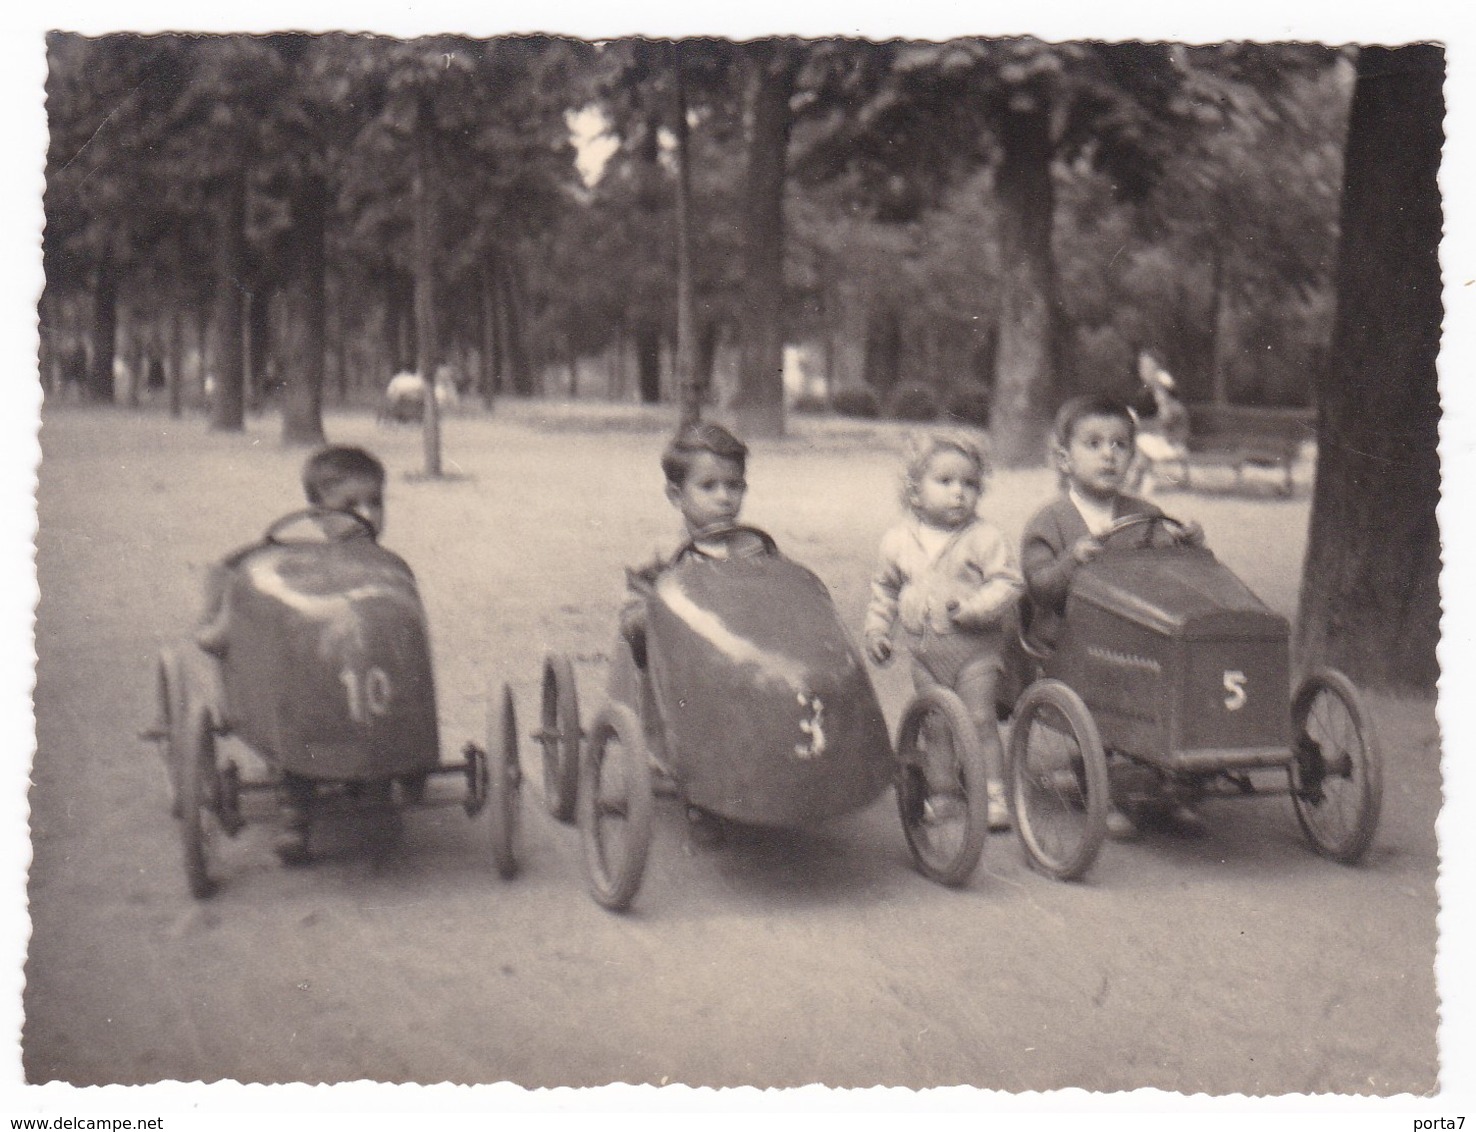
[[1021, 214]]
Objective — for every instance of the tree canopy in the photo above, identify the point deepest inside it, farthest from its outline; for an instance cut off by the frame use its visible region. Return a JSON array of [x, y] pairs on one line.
[[309, 213]]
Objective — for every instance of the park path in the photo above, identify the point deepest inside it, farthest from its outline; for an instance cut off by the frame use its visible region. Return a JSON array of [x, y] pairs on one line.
[[1238, 963]]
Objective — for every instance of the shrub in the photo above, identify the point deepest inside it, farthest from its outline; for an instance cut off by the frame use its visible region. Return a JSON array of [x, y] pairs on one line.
[[857, 401], [968, 403], [809, 403], [913, 403]]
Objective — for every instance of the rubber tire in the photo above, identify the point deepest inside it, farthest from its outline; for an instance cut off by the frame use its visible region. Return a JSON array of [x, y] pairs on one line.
[[954, 868], [169, 689], [504, 783], [560, 737], [615, 873], [1365, 771], [198, 793], [1090, 772]]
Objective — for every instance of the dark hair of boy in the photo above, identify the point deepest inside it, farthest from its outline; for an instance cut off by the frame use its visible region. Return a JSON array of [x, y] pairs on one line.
[[1079, 409], [328, 467], [695, 439]]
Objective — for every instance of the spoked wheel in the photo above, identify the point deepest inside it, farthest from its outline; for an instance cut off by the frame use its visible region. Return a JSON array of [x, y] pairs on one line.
[[615, 806], [168, 720], [504, 784], [1337, 779], [199, 793], [560, 736], [1058, 780], [942, 795]]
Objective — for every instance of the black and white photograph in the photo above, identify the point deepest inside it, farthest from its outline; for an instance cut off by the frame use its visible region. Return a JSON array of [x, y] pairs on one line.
[[788, 552]]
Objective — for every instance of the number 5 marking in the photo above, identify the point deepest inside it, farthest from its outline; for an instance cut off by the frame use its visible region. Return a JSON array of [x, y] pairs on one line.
[[1235, 685]]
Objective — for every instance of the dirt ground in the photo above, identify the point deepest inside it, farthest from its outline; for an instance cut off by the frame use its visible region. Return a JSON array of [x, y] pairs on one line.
[[1236, 963]]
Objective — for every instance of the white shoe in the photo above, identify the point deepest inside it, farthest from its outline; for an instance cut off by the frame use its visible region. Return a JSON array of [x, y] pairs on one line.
[[999, 808]]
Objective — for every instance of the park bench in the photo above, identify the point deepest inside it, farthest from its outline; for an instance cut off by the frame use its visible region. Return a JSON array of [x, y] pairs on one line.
[[1244, 436]]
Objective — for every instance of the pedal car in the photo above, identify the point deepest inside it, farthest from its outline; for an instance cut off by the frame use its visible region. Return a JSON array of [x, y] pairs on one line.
[[1170, 680], [325, 673], [757, 708]]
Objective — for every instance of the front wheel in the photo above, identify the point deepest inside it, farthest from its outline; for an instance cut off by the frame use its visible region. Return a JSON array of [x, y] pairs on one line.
[[168, 723], [1337, 779], [942, 795], [504, 784], [199, 791], [615, 807], [1058, 780], [560, 737]]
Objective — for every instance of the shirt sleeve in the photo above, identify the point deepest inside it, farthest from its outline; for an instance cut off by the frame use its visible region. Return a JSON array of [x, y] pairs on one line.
[[886, 585], [1047, 565], [990, 555]]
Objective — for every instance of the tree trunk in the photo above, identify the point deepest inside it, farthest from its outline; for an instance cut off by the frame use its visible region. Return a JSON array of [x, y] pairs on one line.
[[689, 388], [758, 405], [104, 334], [228, 410], [302, 413], [519, 369], [648, 361], [1370, 583], [882, 363], [426, 235], [491, 351], [174, 372], [1025, 375], [258, 344], [1223, 336]]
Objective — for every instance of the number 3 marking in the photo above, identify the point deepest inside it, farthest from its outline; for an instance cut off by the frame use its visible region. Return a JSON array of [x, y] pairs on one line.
[[1235, 685]]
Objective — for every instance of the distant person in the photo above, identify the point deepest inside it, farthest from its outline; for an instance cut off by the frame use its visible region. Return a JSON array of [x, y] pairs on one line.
[[950, 579], [404, 396], [347, 486], [1092, 445], [1162, 437]]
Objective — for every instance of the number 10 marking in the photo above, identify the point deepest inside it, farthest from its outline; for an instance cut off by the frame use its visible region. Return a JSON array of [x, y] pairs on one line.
[[370, 696]]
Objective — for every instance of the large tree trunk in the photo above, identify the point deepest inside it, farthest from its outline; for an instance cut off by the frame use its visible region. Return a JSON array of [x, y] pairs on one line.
[[1370, 583], [302, 413], [228, 409], [1025, 375], [426, 237], [104, 334], [758, 405]]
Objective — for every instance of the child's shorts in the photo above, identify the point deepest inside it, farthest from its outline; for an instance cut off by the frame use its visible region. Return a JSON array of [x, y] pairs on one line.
[[946, 655]]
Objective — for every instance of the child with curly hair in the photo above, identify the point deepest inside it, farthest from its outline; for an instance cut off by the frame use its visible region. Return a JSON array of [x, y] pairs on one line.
[[951, 580]]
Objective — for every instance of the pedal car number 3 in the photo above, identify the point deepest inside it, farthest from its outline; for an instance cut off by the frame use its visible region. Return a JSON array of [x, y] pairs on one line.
[[1235, 686], [367, 696]]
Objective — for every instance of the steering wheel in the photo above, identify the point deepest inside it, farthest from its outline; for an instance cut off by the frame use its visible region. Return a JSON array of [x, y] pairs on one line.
[[727, 534], [274, 533], [1177, 531]]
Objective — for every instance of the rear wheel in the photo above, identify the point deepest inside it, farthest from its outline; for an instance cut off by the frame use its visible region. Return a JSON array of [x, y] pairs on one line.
[[504, 785], [560, 737], [615, 807], [1058, 780], [199, 791], [1337, 780], [942, 795]]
